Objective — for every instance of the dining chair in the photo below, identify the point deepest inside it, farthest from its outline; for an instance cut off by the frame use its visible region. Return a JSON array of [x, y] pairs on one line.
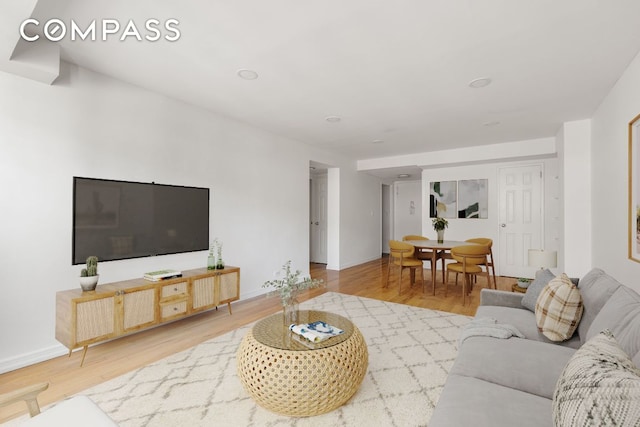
[[488, 264], [402, 254], [427, 255], [468, 259]]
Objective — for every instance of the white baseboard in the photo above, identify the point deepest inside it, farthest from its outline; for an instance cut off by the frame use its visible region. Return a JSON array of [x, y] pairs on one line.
[[17, 362], [352, 264], [253, 294]]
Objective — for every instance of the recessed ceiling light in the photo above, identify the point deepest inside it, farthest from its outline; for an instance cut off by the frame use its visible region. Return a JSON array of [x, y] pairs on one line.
[[481, 82], [247, 74], [333, 119], [403, 175], [493, 123], [378, 141]]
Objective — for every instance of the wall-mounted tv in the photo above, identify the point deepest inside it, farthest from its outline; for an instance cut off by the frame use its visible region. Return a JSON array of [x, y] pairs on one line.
[[120, 219]]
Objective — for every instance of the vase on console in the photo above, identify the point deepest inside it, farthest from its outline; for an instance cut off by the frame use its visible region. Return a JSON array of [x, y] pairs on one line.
[[89, 275]]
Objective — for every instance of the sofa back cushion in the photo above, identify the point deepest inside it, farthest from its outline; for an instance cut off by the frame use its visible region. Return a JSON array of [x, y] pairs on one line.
[[621, 315], [596, 287], [559, 309]]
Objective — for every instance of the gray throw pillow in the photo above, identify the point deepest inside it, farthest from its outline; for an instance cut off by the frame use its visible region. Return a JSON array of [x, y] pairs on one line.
[[535, 288]]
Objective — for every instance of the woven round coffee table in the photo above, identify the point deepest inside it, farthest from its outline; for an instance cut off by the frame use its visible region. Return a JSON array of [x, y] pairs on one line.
[[290, 376]]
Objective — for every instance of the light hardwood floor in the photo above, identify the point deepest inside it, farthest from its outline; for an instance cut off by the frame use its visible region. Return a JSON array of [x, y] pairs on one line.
[[114, 358]]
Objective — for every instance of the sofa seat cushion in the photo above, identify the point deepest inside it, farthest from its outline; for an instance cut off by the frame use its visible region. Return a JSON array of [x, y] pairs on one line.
[[559, 309], [526, 365], [523, 320], [78, 411], [467, 401], [621, 315], [599, 386], [596, 287]]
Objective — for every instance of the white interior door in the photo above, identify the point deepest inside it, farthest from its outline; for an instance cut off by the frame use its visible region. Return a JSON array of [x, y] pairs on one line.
[[521, 218], [318, 219]]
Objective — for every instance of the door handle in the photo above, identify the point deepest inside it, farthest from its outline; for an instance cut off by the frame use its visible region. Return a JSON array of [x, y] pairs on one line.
[[503, 225], [317, 223]]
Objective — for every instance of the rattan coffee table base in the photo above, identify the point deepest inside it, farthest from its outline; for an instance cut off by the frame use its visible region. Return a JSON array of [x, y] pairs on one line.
[[302, 383]]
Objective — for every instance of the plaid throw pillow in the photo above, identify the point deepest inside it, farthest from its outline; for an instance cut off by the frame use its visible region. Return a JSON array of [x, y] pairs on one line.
[[600, 386], [559, 309]]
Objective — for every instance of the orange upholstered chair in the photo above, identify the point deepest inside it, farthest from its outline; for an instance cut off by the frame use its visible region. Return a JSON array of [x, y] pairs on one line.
[[488, 264], [427, 255], [402, 255], [468, 260]]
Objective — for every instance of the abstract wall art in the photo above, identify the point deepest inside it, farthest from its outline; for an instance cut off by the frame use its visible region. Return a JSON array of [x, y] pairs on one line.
[[473, 198], [442, 199]]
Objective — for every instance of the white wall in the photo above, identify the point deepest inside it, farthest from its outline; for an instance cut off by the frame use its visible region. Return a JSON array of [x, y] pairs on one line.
[[609, 174], [89, 125], [361, 222], [387, 217], [574, 153], [462, 229], [407, 208]]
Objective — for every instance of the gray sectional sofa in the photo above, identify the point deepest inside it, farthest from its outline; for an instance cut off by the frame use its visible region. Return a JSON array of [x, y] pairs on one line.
[[510, 382]]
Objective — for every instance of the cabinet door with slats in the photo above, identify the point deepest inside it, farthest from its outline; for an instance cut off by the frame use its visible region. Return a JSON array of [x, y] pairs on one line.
[[94, 319], [139, 309], [229, 287], [203, 293]]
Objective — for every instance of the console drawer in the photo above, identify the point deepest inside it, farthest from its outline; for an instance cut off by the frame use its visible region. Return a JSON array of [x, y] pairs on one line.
[[174, 309], [173, 290]]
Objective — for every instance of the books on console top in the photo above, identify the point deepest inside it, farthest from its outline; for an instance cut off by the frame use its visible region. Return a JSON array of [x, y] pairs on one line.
[[155, 276], [316, 331]]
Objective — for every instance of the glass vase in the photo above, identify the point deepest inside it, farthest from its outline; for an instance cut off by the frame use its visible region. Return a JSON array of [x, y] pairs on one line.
[[440, 235], [290, 311], [220, 263], [211, 262]]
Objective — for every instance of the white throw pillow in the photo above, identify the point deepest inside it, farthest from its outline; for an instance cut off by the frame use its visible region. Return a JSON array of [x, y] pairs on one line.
[[600, 386]]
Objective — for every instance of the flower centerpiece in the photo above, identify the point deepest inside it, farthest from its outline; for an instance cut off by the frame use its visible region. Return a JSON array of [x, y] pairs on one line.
[[439, 224], [288, 286]]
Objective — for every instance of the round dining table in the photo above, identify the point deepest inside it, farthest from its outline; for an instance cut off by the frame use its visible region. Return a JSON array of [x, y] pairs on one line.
[[432, 250]]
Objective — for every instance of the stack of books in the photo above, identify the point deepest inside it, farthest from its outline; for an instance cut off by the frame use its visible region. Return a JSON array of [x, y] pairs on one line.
[[156, 276], [315, 332]]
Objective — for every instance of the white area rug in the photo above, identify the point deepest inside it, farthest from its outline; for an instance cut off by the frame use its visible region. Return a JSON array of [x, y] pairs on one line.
[[410, 353]]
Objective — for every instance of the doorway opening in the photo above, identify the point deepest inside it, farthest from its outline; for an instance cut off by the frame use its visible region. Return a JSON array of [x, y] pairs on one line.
[[324, 208]]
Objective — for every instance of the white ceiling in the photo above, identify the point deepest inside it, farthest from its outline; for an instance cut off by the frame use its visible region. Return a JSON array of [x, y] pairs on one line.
[[396, 71]]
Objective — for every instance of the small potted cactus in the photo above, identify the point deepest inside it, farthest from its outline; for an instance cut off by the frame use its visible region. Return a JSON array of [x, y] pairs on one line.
[[89, 275]]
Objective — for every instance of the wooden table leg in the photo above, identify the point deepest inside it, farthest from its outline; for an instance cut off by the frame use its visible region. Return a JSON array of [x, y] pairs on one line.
[[434, 260]]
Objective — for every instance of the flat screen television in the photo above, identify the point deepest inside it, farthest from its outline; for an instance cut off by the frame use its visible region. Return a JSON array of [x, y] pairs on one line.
[[116, 220]]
